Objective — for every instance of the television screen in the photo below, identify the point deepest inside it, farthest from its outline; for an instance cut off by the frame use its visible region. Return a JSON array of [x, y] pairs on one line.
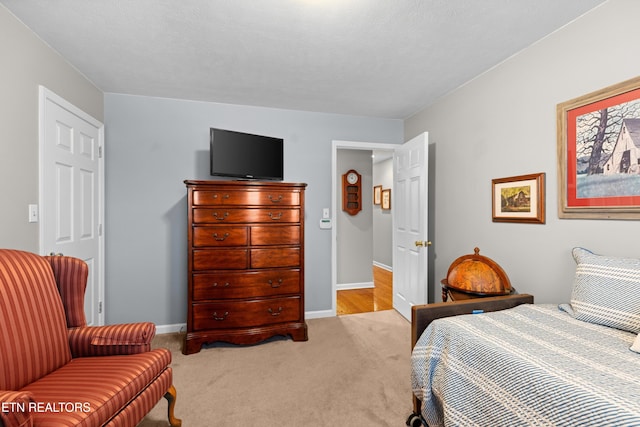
[[243, 155]]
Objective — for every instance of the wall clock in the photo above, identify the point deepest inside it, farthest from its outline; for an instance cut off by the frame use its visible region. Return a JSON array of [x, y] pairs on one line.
[[352, 192]]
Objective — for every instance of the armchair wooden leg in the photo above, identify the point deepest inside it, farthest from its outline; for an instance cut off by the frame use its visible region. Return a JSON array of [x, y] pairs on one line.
[[170, 395]]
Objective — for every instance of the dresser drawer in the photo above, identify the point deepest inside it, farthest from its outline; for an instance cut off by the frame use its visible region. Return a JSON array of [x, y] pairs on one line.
[[220, 236], [247, 197], [275, 257], [207, 286], [223, 215], [244, 314], [275, 235], [220, 259]]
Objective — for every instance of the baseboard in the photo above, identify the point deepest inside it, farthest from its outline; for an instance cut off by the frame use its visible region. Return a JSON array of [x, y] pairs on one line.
[[170, 329], [383, 266], [318, 314], [347, 286]]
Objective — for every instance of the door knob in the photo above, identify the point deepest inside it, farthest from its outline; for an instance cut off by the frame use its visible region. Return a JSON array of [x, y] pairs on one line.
[[421, 243]]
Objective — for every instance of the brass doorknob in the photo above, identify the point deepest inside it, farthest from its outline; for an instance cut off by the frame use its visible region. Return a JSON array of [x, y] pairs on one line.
[[421, 243]]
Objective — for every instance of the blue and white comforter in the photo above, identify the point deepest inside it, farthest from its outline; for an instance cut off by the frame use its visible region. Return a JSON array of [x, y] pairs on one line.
[[532, 365]]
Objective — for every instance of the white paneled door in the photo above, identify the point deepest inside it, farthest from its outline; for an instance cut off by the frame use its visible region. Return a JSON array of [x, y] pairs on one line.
[[71, 191], [409, 204]]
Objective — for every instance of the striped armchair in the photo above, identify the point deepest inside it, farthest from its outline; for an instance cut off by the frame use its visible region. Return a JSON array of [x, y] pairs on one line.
[[57, 371]]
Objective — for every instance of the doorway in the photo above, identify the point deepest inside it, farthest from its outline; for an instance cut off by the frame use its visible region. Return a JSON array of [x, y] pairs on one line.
[[365, 300], [361, 278]]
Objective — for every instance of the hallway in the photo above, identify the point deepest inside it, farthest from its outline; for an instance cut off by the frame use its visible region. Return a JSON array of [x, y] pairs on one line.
[[378, 298]]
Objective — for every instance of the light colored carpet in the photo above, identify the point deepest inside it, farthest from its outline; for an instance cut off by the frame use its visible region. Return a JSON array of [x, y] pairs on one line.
[[353, 371]]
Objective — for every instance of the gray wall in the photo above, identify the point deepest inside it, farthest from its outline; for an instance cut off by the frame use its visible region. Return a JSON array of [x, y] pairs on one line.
[[26, 63], [154, 144], [354, 246], [382, 219], [503, 123]]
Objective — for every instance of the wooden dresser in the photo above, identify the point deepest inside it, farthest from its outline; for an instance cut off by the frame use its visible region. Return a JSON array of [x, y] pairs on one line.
[[246, 262]]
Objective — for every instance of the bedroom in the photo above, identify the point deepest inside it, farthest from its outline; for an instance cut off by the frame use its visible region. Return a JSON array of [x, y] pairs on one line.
[[496, 106], [509, 128]]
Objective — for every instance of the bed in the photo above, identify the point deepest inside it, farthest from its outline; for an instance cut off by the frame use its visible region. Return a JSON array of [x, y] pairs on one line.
[[515, 363]]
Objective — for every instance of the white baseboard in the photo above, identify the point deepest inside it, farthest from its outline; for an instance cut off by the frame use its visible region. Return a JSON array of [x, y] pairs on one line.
[[383, 266], [347, 286], [318, 314], [170, 329]]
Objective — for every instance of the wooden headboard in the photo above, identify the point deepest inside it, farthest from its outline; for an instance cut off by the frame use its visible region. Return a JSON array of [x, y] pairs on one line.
[[423, 315]]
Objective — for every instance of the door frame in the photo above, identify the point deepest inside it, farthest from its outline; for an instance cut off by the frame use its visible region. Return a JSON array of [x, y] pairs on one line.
[[335, 189], [44, 94]]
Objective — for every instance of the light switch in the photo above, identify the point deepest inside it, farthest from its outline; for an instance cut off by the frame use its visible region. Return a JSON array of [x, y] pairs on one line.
[[33, 213]]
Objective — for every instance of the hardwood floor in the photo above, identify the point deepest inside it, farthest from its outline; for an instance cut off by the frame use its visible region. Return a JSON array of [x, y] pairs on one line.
[[365, 300]]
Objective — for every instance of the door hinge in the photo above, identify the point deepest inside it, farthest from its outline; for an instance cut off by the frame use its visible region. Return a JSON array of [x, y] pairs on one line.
[[100, 230], [100, 307], [100, 151]]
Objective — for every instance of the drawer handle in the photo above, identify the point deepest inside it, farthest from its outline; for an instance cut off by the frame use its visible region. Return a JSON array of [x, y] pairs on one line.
[[220, 239], [278, 200], [275, 217], [226, 196], [215, 284], [220, 217], [216, 317], [275, 285], [274, 313]]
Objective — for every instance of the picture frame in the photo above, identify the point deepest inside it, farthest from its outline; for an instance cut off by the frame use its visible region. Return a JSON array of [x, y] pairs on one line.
[[386, 199], [598, 163], [377, 194], [519, 199]]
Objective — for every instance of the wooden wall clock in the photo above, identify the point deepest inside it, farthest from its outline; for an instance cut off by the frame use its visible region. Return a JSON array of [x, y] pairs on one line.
[[352, 192]]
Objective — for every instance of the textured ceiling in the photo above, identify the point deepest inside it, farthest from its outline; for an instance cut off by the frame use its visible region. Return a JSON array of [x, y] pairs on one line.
[[379, 58]]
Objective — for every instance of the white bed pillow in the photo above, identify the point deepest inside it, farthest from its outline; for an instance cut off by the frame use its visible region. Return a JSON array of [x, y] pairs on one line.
[[636, 344], [606, 290]]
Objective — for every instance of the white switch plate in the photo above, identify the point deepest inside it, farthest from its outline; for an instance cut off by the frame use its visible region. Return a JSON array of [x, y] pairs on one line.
[[325, 213], [33, 213]]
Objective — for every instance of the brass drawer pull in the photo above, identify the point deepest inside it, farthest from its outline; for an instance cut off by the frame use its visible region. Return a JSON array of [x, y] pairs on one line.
[[273, 313], [224, 316], [278, 200], [215, 284], [275, 217], [220, 217], [220, 239], [275, 285]]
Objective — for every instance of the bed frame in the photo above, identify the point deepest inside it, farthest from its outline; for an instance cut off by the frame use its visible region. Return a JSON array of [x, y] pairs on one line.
[[423, 315]]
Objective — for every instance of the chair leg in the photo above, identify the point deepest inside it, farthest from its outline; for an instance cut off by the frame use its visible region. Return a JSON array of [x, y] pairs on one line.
[[170, 395]]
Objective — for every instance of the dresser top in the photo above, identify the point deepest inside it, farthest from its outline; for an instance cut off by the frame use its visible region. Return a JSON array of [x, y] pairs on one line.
[[244, 183]]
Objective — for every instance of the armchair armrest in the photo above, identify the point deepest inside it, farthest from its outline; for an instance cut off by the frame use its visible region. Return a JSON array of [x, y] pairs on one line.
[[15, 409], [423, 315], [129, 338]]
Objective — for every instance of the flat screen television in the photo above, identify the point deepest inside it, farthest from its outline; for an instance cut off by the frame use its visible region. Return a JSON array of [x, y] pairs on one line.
[[246, 156]]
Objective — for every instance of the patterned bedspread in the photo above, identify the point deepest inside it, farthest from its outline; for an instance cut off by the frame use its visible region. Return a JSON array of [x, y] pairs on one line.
[[533, 365]]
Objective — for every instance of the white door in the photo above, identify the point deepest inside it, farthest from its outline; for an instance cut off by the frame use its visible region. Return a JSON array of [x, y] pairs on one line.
[[410, 240], [71, 191]]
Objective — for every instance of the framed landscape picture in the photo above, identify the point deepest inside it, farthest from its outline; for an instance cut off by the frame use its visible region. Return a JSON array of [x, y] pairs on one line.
[[599, 154], [519, 199]]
